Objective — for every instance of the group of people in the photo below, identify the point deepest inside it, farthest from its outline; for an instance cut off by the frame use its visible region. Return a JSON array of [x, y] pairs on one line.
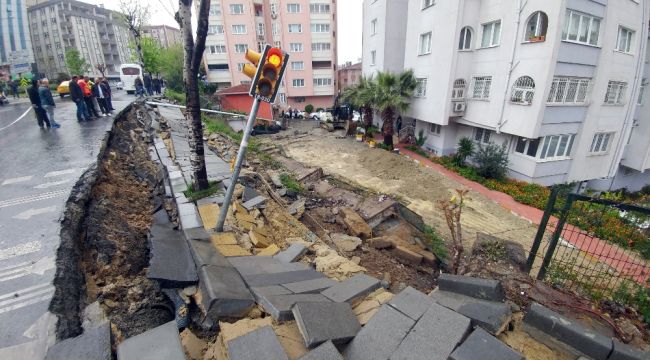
[[85, 92], [152, 86], [290, 114]]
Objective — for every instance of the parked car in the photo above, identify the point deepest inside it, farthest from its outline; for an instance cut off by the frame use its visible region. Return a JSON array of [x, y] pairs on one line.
[[321, 116], [356, 116], [63, 88], [119, 85], [266, 129]]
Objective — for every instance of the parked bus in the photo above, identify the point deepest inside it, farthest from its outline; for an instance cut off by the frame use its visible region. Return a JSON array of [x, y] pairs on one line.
[[128, 74]]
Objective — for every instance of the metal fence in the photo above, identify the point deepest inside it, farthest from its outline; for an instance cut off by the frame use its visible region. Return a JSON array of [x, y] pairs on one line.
[[599, 248]]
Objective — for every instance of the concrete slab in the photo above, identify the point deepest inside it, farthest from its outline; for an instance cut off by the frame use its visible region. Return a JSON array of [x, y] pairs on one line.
[[224, 293], [160, 343], [204, 253], [482, 346], [269, 250], [253, 203], [263, 291], [239, 261], [171, 262], [434, 336], [292, 253], [325, 321], [485, 289], [379, 338], [93, 344], [270, 268], [357, 286], [249, 194], [209, 214], [282, 278], [196, 233], [411, 303], [626, 352], [259, 344], [375, 209], [279, 306], [314, 286], [325, 351], [490, 315], [191, 221]]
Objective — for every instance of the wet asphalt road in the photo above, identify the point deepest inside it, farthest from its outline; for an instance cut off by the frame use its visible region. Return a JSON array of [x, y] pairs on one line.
[[37, 171]]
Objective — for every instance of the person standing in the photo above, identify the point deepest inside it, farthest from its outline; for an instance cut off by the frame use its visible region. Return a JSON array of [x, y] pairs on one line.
[[35, 99], [139, 88], [147, 84], [87, 97], [77, 95], [108, 94], [47, 102], [14, 88], [156, 86], [98, 93]]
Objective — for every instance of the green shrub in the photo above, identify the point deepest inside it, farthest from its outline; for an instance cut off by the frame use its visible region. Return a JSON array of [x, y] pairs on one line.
[[492, 161], [385, 147], [176, 96], [417, 150], [319, 109], [309, 109], [289, 181], [193, 195], [421, 139], [465, 150], [436, 243]]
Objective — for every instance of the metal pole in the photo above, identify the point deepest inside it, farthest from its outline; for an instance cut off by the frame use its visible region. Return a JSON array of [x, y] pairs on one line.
[[550, 206], [202, 110], [556, 238], [240, 159]]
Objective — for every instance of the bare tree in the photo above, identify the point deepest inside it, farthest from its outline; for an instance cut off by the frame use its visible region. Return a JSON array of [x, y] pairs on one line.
[[135, 15], [453, 209], [101, 68]]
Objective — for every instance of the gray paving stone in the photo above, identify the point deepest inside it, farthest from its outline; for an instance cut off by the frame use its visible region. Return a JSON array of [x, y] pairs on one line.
[[260, 292], [411, 303], [626, 352], [224, 293], [259, 344], [325, 351], [239, 261], [475, 287], [379, 338], [249, 194], [282, 278], [279, 306], [314, 286], [292, 253], [160, 343], [204, 253], [93, 344], [482, 346], [190, 221], [352, 288], [171, 262], [322, 321], [434, 336], [197, 234], [254, 202], [586, 341], [490, 315], [270, 268]]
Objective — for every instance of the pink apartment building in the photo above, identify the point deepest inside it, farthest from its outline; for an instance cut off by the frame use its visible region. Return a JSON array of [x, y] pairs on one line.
[[303, 28]]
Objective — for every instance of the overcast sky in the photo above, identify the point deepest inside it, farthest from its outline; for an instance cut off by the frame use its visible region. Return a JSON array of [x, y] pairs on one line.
[[348, 35]]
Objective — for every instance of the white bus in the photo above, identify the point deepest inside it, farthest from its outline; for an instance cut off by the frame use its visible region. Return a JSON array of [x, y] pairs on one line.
[[128, 74]]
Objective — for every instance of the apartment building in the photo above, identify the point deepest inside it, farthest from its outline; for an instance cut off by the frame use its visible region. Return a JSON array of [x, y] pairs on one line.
[[555, 82], [97, 33], [305, 29], [348, 75], [165, 35], [16, 54]]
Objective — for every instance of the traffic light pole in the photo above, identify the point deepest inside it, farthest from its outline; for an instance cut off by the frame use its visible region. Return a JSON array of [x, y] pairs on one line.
[[240, 159]]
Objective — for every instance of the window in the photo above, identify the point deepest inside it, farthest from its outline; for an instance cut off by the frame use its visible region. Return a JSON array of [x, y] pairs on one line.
[[527, 146], [373, 27], [215, 8], [556, 147], [260, 46], [320, 28], [237, 9], [322, 82], [481, 88], [536, 27], [215, 29], [421, 87], [260, 29], [274, 8], [600, 143], [240, 66], [569, 90], [624, 42], [276, 28], [615, 93], [295, 47], [297, 65], [482, 135], [581, 28], [241, 48], [319, 8], [283, 98], [320, 47], [458, 91], [373, 57], [425, 44], [277, 44], [523, 90], [293, 8], [491, 34], [217, 49], [239, 29], [435, 129], [465, 42], [298, 82], [218, 67], [245, 82], [295, 28]]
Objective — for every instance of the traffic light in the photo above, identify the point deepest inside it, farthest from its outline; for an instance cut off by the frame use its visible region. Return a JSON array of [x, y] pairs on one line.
[[266, 71]]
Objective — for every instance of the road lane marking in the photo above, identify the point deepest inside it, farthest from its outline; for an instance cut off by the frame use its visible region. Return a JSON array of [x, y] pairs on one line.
[[32, 198], [28, 214], [17, 120], [38, 268], [18, 250], [61, 172], [20, 292], [17, 180], [51, 184], [25, 297]]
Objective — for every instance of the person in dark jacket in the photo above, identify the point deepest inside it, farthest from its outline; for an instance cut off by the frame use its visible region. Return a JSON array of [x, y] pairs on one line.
[[47, 102], [147, 84], [77, 96], [108, 94], [98, 93], [156, 86], [139, 88], [14, 88], [35, 99]]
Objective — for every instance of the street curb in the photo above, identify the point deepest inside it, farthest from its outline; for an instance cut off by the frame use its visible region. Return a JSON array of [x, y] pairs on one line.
[[483, 289]]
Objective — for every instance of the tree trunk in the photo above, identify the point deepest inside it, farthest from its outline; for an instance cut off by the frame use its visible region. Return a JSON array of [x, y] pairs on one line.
[[192, 60], [387, 116], [367, 116]]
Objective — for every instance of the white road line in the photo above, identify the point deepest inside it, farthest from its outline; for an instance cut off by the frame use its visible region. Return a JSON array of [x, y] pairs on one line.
[[39, 268], [51, 184], [18, 250], [61, 172], [26, 296], [28, 214], [17, 180], [20, 265], [21, 292], [45, 295], [32, 198], [17, 120]]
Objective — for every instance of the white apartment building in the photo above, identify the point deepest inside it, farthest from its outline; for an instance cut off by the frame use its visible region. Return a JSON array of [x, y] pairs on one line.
[[165, 35], [556, 82], [303, 28]]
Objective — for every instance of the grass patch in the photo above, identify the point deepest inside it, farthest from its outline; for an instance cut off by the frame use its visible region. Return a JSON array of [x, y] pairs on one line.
[[193, 195], [436, 243], [268, 161], [176, 96], [417, 150], [289, 181]]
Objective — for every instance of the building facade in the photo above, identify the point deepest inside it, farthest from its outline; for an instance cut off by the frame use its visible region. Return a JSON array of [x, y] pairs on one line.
[[348, 75], [165, 35], [16, 54], [305, 29], [555, 82], [97, 33]]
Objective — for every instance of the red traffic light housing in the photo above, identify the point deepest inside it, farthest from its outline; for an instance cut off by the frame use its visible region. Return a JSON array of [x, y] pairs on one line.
[[268, 72]]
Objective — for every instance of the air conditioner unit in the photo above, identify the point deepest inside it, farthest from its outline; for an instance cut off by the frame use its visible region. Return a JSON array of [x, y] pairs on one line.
[[459, 106]]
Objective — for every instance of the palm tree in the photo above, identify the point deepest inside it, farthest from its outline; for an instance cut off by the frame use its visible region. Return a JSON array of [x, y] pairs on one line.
[[392, 95], [361, 96]]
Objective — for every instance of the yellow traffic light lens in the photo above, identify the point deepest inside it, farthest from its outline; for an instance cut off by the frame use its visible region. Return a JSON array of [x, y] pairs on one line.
[[275, 60]]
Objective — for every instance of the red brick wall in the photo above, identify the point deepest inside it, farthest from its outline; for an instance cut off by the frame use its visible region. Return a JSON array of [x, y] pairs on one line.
[[243, 102]]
